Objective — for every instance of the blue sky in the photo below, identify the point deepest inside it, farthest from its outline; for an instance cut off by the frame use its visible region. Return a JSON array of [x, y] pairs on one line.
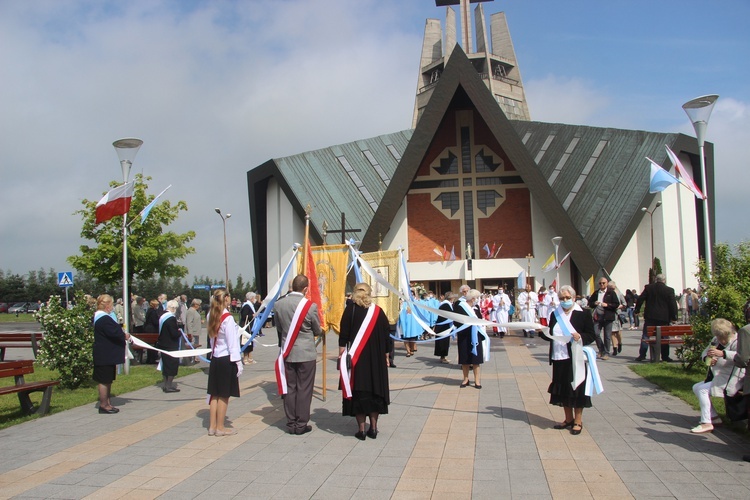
[[216, 88]]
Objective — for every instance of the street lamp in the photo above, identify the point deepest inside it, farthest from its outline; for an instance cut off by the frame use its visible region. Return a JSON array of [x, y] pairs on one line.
[[226, 261], [651, 217], [556, 241], [699, 111], [126, 151]]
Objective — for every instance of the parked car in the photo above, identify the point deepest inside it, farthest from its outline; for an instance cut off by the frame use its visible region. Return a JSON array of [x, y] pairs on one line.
[[18, 307], [33, 307], [3, 307]]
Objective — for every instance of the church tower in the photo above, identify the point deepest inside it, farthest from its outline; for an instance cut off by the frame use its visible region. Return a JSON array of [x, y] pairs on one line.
[[496, 63]]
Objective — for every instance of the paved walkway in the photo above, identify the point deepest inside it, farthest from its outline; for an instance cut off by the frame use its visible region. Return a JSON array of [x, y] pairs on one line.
[[438, 441]]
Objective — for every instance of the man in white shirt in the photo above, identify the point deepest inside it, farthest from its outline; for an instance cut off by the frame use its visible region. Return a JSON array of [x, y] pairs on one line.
[[527, 302], [500, 309]]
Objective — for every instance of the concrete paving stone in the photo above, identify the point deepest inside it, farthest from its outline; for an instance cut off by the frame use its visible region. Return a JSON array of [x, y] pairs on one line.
[[689, 490], [328, 492], [509, 422], [260, 490]]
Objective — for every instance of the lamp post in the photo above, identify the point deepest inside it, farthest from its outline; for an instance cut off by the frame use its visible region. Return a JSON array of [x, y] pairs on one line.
[[226, 261], [651, 217], [556, 241], [699, 111], [126, 151]]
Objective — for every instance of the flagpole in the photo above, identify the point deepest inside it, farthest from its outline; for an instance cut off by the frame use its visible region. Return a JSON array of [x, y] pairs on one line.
[[556, 241], [126, 151], [325, 337]]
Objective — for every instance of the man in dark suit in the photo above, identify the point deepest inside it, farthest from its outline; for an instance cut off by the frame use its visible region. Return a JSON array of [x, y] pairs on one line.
[[660, 310], [299, 356], [605, 303]]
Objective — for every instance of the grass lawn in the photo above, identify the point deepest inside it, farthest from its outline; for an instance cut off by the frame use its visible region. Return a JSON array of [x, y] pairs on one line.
[[64, 399], [677, 381], [22, 318]]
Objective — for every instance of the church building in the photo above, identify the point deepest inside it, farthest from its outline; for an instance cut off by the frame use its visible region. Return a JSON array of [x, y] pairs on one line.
[[476, 191]]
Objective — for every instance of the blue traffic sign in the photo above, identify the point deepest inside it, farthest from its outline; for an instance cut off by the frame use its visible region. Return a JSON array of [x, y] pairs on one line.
[[201, 287], [65, 279]]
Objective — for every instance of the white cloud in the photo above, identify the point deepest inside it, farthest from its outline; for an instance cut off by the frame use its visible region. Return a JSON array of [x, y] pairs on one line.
[[556, 99]]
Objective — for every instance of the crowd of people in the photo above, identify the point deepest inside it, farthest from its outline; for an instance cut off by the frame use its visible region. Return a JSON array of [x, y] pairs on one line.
[[366, 344]]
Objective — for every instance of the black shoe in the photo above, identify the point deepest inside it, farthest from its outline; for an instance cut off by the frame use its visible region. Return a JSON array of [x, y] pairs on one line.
[[576, 432], [746, 458], [614, 352], [361, 435], [171, 389], [619, 349], [640, 358], [111, 411], [393, 366], [564, 425], [304, 430], [372, 433], [668, 360]]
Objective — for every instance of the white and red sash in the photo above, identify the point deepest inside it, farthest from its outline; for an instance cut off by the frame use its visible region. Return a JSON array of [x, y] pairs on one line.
[[355, 350], [291, 337]]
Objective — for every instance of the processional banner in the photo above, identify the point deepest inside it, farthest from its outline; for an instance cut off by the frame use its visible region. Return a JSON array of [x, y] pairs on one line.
[[330, 265], [387, 265]]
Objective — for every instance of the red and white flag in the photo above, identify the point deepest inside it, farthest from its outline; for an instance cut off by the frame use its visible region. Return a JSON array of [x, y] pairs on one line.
[[115, 202], [563, 260], [685, 178]]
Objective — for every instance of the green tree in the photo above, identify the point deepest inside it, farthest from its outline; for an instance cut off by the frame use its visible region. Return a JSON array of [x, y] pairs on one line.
[[723, 295], [151, 249]]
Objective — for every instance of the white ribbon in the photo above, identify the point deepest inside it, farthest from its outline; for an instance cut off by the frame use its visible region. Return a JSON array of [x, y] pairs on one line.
[[187, 353]]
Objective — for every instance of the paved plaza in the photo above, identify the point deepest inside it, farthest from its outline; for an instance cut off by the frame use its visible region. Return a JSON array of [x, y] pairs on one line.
[[438, 441]]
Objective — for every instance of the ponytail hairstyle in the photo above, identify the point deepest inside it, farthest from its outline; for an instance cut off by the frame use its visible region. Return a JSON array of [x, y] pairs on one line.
[[217, 309]]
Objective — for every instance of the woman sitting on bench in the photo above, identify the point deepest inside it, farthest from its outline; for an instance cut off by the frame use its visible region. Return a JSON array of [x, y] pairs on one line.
[[721, 373]]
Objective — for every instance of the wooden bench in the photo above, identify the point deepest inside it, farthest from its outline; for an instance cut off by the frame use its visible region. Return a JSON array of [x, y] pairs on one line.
[[20, 340], [149, 338], [666, 335], [18, 369]]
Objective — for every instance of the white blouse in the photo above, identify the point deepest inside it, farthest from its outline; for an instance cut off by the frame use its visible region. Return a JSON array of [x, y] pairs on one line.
[[560, 349]]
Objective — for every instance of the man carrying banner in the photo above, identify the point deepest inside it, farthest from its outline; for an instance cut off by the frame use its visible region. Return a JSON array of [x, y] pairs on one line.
[[298, 324]]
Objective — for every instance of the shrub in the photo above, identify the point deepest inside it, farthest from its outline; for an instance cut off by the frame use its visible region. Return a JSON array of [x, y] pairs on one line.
[[68, 340], [724, 295]]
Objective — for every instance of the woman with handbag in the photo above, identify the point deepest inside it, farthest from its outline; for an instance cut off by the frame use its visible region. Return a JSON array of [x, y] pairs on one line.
[[363, 361], [722, 378]]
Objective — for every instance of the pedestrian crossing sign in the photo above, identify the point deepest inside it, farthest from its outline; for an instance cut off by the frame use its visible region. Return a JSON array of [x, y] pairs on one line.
[[65, 279]]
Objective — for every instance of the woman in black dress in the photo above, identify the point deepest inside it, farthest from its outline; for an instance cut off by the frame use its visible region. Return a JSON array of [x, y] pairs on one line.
[[369, 370], [169, 340], [442, 325], [109, 350], [469, 339], [561, 391]]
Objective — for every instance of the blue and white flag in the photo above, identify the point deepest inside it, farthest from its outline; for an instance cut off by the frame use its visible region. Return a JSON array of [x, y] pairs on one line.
[[266, 306], [660, 178], [144, 213], [521, 283]]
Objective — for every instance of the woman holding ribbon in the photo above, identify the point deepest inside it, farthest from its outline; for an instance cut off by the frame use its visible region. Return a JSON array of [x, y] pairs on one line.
[[570, 328], [442, 328], [109, 350], [363, 361], [169, 340], [226, 362], [470, 348]]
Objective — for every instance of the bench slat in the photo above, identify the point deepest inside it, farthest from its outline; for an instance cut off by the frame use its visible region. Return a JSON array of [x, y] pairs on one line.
[[28, 387]]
